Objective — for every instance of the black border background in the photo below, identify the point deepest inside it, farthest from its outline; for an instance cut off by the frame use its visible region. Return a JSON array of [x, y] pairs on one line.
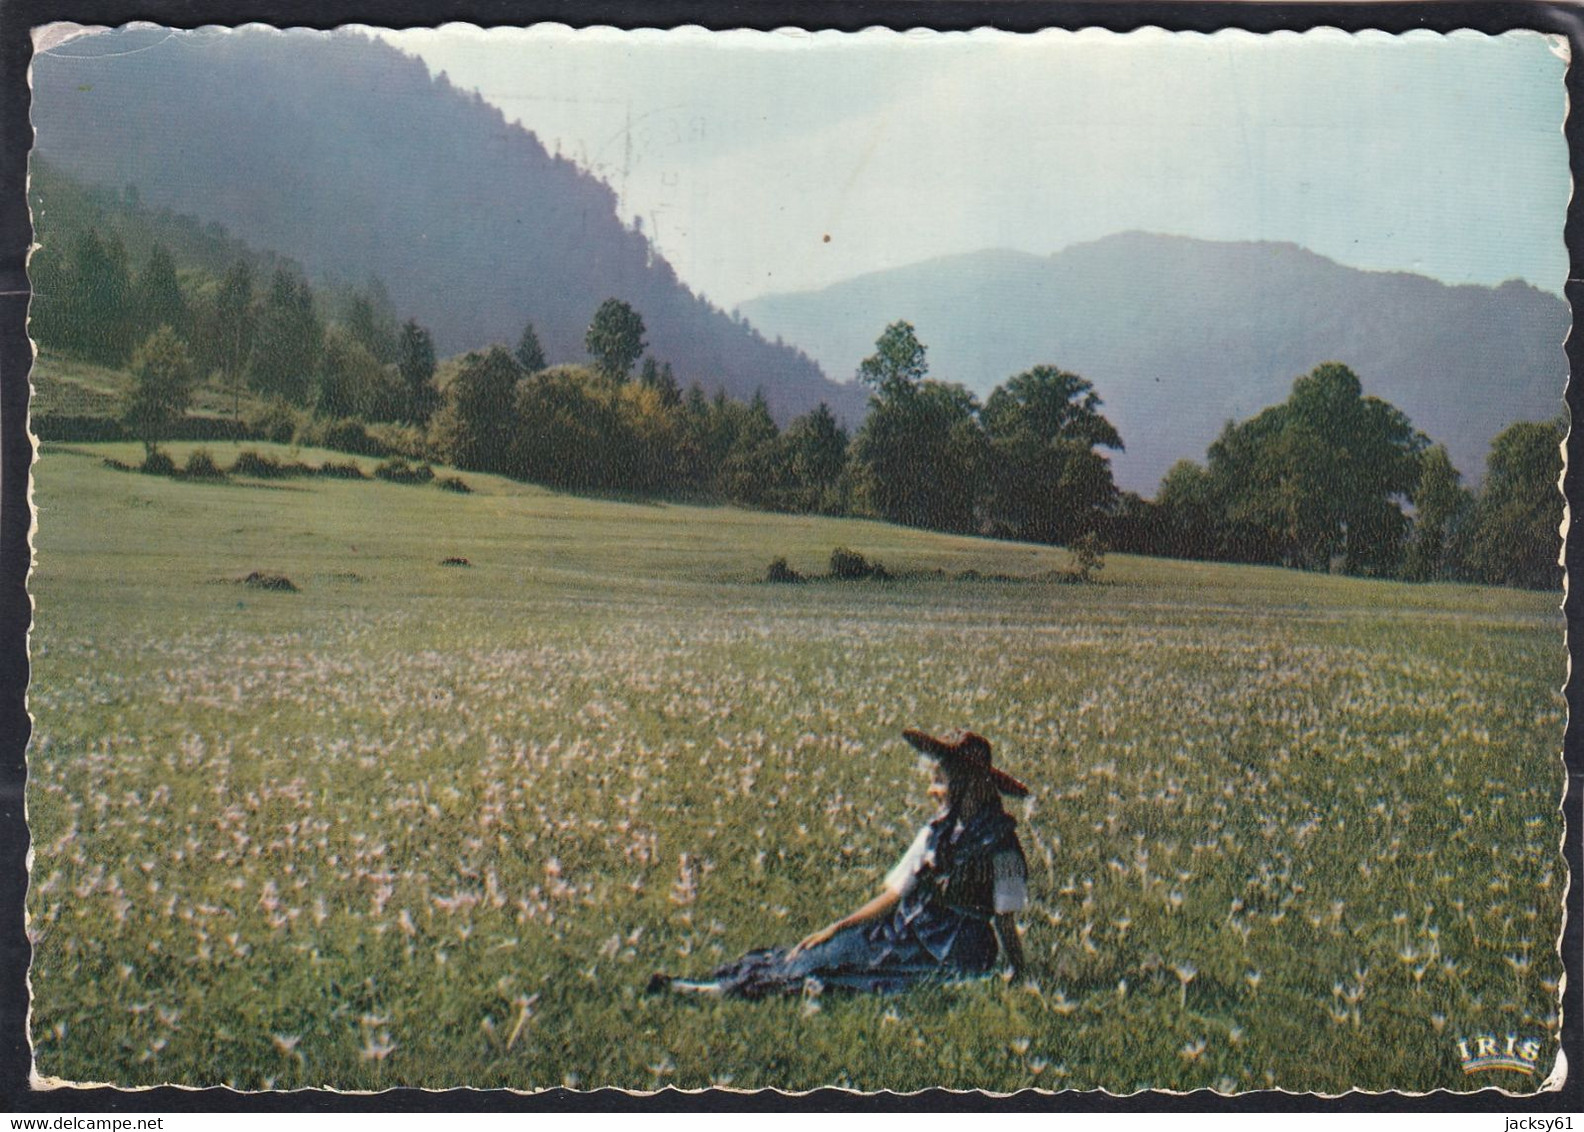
[[18, 16]]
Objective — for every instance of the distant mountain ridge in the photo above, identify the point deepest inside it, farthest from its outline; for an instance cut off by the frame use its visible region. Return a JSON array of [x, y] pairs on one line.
[[1180, 335], [342, 153]]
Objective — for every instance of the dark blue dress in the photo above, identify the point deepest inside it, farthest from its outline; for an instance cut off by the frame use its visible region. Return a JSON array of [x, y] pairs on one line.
[[941, 928]]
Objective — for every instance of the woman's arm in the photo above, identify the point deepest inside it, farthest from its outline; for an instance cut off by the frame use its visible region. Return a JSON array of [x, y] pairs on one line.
[[880, 906], [1011, 942]]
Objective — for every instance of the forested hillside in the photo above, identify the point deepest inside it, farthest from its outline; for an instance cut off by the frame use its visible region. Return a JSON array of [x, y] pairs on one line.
[[343, 154]]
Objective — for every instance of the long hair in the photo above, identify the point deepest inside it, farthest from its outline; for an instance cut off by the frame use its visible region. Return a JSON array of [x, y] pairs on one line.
[[969, 789], [971, 799], [967, 792]]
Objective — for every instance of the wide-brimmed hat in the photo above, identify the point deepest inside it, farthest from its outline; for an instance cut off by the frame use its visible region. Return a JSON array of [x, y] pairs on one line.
[[966, 750]]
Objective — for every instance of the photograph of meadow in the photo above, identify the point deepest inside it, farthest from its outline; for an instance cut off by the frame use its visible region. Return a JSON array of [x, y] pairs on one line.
[[502, 495]]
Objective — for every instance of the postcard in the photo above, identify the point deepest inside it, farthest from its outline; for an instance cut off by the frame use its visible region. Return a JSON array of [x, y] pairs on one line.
[[783, 559]]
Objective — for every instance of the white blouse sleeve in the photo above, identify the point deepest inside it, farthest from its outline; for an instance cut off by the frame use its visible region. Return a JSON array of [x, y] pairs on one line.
[[1011, 881], [904, 873]]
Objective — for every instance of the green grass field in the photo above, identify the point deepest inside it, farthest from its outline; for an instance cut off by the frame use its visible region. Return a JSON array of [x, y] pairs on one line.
[[431, 825]]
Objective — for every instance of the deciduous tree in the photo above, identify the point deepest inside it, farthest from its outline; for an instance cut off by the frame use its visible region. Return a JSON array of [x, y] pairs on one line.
[[1517, 520], [162, 387], [1442, 509], [352, 383], [483, 401], [1323, 476], [816, 448], [1048, 483], [920, 452], [898, 363], [1188, 517], [615, 339], [570, 431]]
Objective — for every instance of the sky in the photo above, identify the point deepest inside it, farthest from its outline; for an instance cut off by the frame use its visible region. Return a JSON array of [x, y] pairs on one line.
[[762, 162]]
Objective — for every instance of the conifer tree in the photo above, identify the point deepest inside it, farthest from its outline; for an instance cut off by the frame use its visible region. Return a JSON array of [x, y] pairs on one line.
[[289, 338], [159, 299], [415, 361], [529, 353], [235, 325]]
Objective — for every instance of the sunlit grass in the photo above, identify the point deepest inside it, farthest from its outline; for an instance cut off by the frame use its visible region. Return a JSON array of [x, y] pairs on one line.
[[67, 386], [433, 825]]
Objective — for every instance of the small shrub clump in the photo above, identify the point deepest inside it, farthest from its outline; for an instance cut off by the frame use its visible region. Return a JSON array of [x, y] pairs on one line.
[[848, 565], [347, 470], [157, 463], [397, 470], [454, 483], [259, 580], [256, 465], [260, 466], [779, 572], [201, 466], [1088, 557], [350, 436]]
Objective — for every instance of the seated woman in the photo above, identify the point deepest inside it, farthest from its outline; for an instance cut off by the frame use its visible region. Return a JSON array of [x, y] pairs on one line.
[[943, 905]]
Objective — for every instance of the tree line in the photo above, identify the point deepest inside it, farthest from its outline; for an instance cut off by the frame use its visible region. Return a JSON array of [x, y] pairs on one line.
[[1331, 479], [602, 427], [338, 353], [1022, 465], [927, 455]]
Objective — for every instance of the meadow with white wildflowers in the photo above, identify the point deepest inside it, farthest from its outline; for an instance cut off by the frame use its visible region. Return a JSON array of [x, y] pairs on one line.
[[430, 825]]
